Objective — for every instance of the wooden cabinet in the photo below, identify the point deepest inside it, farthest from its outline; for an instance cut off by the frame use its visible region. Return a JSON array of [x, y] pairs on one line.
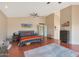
[[64, 36]]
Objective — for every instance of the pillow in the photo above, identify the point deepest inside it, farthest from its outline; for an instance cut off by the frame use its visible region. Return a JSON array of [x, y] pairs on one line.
[[26, 33]]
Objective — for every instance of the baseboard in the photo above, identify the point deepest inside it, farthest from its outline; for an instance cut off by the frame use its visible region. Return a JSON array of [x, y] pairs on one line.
[[72, 43]]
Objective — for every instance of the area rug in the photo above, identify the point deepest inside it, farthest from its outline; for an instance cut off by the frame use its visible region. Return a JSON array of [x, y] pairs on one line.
[[51, 50]]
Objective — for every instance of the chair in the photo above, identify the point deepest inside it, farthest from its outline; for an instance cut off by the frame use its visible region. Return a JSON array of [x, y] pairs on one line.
[[3, 49]]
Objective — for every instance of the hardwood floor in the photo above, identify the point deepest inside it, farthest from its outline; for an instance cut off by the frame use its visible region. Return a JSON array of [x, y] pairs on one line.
[[16, 51]]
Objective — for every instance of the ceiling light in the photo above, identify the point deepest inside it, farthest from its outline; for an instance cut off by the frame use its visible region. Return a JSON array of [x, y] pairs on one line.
[[59, 2], [48, 2]]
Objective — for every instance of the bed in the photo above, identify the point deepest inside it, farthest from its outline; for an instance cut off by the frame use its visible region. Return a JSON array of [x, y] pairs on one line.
[[28, 37]]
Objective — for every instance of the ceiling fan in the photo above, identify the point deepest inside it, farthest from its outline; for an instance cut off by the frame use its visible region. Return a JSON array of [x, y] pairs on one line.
[[34, 14]]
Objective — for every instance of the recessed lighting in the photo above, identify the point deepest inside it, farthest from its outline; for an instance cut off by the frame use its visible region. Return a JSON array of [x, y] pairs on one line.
[[59, 2], [48, 2]]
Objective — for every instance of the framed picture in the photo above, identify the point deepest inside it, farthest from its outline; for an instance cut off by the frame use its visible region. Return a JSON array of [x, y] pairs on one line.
[[26, 25]]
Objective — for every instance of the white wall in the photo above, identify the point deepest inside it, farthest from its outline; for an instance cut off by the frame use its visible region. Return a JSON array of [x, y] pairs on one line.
[[3, 28], [71, 13], [66, 15], [14, 24], [57, 25], [75, 24], [50, 25]]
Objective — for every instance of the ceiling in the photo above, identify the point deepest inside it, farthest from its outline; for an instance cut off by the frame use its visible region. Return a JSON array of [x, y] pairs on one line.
[[23, 9]]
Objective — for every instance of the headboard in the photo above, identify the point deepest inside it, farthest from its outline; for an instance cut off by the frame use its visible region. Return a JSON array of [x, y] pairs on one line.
[[26, 33]]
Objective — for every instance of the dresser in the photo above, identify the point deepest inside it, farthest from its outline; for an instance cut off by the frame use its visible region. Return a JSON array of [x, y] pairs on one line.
[[64, 36]]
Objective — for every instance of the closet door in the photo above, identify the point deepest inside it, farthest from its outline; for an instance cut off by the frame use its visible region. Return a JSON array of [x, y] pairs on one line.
[[45, 30], [41, 30]]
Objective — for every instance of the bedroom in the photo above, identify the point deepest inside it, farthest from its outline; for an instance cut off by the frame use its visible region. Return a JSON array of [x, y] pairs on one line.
[[27, 20]]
